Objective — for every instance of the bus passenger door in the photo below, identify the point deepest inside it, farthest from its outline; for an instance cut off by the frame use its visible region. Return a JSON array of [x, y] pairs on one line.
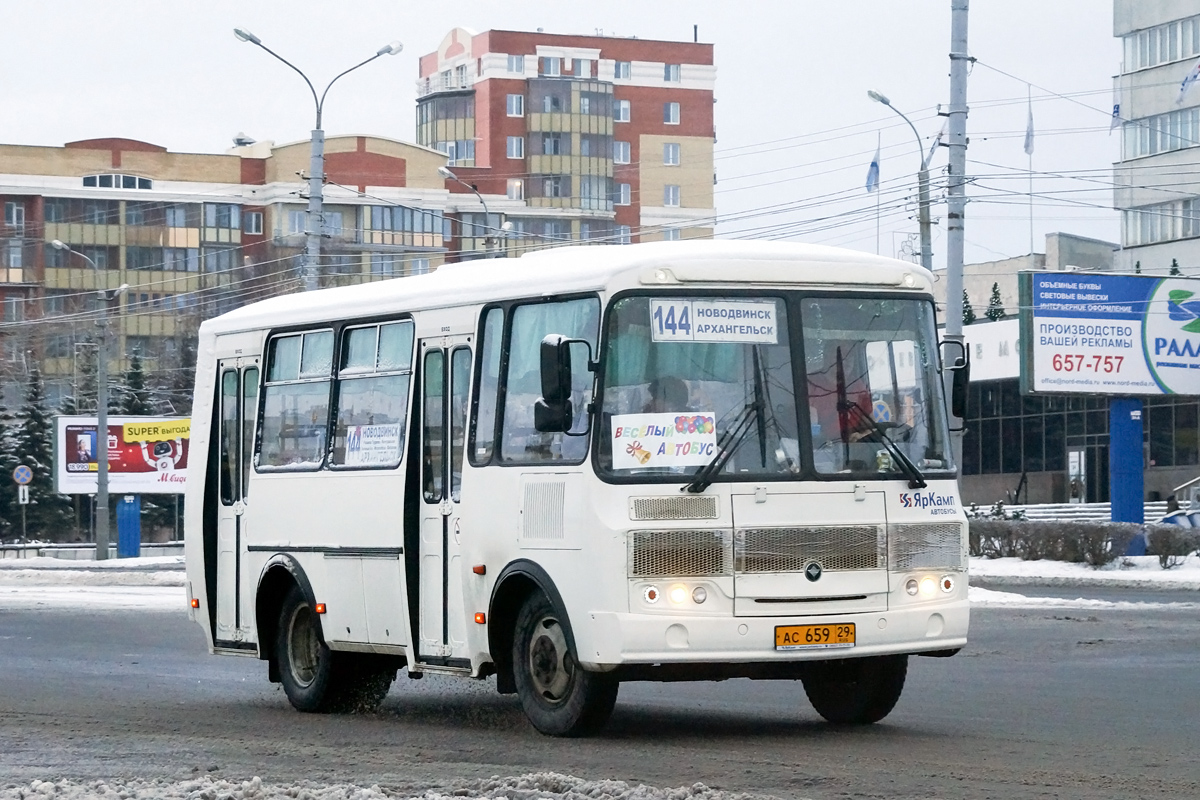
[[238, 379], [445, 384]]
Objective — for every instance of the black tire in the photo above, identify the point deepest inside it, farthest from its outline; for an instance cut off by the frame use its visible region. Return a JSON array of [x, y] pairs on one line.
[[559, 697], [856, 691], [317, 679]]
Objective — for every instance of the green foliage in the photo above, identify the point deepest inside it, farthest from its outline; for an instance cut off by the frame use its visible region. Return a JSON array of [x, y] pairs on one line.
[[134, 396], [48, 513], [968, 310], [995, 309]]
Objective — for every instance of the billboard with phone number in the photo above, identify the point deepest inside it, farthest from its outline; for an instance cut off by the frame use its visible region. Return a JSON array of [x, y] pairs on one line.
[[1109, 334], [146, 455]]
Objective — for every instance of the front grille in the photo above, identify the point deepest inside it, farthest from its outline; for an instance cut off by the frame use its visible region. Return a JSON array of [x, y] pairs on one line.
[[643, 508], [679, 554], [792, 549], [925, 546]]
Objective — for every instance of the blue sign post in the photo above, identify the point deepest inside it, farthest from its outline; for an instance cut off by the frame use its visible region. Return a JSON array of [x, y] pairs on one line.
[[1125, 468]]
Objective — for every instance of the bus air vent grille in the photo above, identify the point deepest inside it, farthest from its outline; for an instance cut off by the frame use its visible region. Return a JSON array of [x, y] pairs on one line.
[[542, 514], [926, 546], [679, 554], [834, 547], [642, 508]]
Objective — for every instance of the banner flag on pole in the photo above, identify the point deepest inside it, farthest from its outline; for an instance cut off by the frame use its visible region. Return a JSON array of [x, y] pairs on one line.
[[873, 172], [1116, 118], [1192, 76], [1029, 131]]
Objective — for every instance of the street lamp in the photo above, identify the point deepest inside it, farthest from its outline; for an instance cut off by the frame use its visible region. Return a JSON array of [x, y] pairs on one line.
[[445, 172], [101, 404], [922, 183], [316, 169]]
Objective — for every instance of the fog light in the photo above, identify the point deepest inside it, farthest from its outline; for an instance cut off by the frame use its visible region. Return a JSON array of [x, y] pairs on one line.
[[911, 587], [927, 586], [678, 594], [699, 594], [650, 594], [947, 583]]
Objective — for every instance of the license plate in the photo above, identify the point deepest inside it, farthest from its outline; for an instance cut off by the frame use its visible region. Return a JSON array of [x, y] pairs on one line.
[[814, 637]]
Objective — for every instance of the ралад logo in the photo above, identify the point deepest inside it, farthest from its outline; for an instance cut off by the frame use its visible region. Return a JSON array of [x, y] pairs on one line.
[[936, 503], [1180, 309], [1172, 339]]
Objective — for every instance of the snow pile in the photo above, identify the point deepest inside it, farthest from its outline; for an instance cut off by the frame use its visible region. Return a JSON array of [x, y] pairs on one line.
[[987, 597], [93, 598], [1135, 572], [142, 564], [535, 786]]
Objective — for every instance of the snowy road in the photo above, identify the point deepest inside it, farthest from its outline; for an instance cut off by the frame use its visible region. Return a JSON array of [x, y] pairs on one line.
[[1063, 701]]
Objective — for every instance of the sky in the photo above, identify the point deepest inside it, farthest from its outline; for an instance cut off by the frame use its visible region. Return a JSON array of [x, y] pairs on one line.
[[795, 128]]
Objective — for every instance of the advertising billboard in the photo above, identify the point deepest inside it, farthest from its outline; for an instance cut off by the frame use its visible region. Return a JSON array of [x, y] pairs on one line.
[[1109, 334], [146, 455]]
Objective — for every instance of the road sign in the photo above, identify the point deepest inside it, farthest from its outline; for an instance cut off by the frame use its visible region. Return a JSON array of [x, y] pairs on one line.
[[23, 475], [23, 495]]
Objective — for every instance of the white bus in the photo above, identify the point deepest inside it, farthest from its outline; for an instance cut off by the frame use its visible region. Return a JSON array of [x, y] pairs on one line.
[[588, 465]]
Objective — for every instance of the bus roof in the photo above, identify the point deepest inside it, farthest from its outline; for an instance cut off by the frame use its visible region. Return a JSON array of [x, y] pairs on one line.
[[564, 270]]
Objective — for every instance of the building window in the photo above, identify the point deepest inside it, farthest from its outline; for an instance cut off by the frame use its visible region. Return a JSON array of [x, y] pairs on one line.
[[585, 105], [670, 234], [13, 255], [1163, 222], [551, 103], [671, 154], [178, 217], [553, 186], [516, 188], [621, 111], [621, 70], [460, 75], [182, 259], [516, 147], [55, 209], [620, 152], [1162, 44], [14, 309], [420, 266], [516, 105], [296, 221], [1162, 133], [143, 258], [222, 215], [552, 66], [671, 73], [516, 65], [14, 214], [332, 223], [624, 194], [670, 195], [100, 212], [624, 234], [553, 144], [254, 222], [117, 182], [670, 113]]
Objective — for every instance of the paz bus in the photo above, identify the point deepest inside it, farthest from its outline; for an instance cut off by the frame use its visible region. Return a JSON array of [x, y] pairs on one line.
[[588, 465]]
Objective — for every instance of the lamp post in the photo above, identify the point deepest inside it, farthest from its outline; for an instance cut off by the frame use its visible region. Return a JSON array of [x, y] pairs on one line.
[[445, 172], [922, 184], [316, 169], [101, 404]]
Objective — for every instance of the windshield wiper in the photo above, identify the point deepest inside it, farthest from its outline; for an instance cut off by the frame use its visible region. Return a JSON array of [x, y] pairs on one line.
[[730, 440], [915, 479]]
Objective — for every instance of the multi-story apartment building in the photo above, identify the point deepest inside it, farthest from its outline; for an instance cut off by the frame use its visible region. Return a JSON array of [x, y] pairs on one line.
[[604, 139], [192, 235], [1157, 181]]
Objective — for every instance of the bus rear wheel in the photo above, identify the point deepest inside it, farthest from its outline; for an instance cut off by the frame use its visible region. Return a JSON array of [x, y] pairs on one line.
[[559, 696], [317, 679], [856, 691]]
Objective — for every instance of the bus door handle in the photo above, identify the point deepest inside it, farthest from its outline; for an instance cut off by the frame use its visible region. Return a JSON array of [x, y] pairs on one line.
[[445, 508], [239, 508]]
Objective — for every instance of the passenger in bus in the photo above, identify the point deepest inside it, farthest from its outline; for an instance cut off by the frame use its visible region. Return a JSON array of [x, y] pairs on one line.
[[667, 394]]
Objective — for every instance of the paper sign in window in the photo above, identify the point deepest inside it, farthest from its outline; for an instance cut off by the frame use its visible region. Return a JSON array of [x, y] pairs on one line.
[[717, 320], [648, 441]]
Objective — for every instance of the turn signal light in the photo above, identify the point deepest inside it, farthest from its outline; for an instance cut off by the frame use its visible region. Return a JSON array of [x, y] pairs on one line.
[[319, 608], [195, 602], [480, 617], [479, 569]]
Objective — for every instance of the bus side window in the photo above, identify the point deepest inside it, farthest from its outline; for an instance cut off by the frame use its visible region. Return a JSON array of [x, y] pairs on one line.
[[296, 401], [249, 412], [374, 370], [460, 384], [483, 422], [433, 420], [229, 436]]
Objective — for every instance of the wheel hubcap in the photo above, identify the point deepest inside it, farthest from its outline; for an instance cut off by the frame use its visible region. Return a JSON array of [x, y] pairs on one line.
[[550, 662], [304, 647]]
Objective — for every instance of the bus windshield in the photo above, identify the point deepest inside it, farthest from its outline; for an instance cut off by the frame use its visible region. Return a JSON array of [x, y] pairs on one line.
[[688, 377], [872, 375]]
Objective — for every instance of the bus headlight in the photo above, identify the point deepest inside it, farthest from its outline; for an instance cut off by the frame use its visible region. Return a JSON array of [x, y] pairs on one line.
[[699, 595], [911, 587], [678, 594], [928, 586]]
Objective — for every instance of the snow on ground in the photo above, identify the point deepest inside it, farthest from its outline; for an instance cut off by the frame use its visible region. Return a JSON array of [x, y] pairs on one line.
[[93, 598], [1135, 572], [535, 786], [990, 598]]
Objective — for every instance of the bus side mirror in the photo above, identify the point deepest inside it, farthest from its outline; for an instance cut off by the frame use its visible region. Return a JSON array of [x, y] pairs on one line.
[[552, 411], [960, 381]]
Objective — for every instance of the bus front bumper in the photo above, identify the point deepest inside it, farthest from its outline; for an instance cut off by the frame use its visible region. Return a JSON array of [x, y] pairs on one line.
[[618, 639]]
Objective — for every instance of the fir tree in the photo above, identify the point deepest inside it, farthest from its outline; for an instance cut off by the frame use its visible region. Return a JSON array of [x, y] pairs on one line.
[[10, 511], [995, 309], [1174, 268], [47, 512], [968, 310], [135, 397]]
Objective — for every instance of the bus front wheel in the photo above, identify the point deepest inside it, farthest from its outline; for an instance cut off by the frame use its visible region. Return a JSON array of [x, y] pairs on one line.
[[856, 691], [316, 678], [559, 697]]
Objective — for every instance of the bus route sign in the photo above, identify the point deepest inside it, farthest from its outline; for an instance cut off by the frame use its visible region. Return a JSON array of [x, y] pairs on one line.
[[23, 475]]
